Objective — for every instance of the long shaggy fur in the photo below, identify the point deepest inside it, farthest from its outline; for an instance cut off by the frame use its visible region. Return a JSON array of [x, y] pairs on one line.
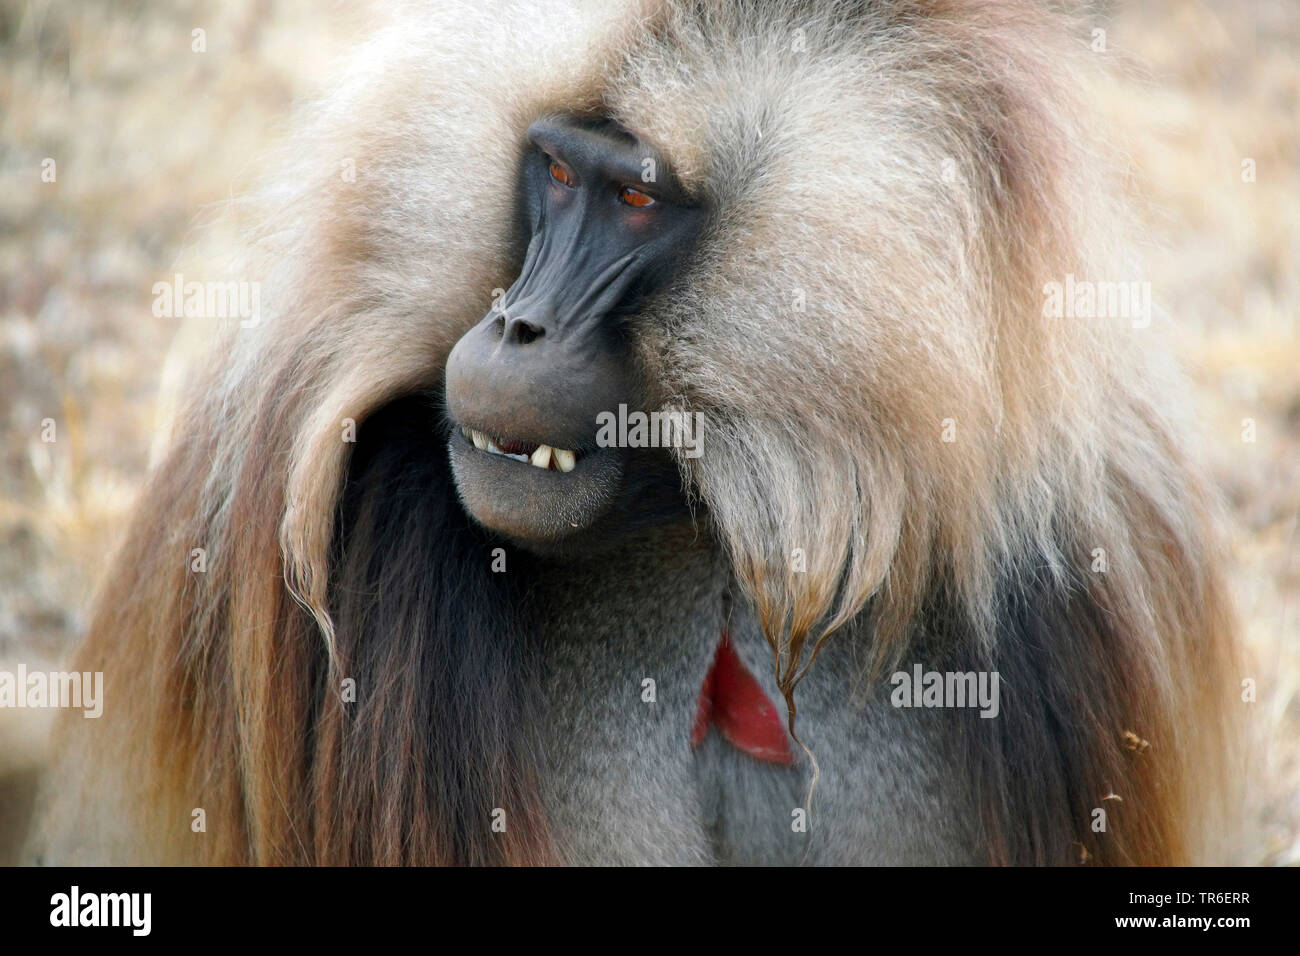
[[893, 184]]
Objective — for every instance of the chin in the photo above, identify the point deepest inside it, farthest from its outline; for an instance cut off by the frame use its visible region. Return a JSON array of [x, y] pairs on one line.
[[521, 489]]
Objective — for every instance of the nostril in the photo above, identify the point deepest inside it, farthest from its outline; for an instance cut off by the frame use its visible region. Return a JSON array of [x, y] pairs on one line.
[[524, 332]]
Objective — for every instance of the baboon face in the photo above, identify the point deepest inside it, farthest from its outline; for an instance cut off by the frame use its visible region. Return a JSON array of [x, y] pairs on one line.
[[606, 226]]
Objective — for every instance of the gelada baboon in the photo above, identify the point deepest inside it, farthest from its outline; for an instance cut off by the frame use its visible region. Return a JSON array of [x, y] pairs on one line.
[[924, 575]]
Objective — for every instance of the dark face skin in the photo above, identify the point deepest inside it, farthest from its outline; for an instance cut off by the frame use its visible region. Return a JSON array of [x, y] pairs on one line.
[[530, 379]]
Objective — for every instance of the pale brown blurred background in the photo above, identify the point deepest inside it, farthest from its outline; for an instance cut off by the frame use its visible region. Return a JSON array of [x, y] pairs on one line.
[[150, 138]]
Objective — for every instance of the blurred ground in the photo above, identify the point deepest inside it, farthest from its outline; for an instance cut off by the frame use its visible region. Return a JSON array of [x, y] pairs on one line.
[[150, 137]]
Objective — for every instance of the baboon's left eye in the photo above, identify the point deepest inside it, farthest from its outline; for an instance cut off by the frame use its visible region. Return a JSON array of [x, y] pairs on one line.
[[561, 175], [635, 197]]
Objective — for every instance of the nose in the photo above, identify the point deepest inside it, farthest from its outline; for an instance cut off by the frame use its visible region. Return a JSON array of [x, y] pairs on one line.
[[518, 331]]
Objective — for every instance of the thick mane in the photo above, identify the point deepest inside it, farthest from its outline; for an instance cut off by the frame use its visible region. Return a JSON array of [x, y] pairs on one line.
[[439, 642], [895, 182], [918, 182]]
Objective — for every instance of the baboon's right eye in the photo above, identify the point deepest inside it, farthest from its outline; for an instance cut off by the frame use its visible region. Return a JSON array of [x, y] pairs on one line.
[[562, 175]]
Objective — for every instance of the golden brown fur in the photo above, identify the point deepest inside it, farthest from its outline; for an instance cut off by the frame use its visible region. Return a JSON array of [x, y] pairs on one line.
[[922, 301]]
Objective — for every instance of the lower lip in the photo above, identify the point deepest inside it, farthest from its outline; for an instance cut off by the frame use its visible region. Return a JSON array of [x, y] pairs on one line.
[[528, 504]]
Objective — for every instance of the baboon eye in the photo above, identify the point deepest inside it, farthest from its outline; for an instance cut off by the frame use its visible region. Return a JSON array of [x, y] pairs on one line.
[[562, 175], [635, 197]]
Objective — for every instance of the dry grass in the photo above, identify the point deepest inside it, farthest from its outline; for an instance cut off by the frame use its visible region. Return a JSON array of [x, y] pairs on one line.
[[149, 138]]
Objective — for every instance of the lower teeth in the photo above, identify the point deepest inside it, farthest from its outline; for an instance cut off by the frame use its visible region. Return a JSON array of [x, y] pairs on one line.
[[554, 460]]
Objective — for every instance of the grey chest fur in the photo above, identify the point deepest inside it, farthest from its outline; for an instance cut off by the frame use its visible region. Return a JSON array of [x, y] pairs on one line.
[[627, 643]]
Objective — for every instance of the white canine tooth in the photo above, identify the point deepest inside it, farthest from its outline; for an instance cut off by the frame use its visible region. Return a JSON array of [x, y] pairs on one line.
[[492, 446], [565, 459], [542, 456], [480, 440]]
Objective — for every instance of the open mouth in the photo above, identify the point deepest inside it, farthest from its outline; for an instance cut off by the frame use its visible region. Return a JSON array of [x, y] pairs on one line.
[[532, 492], [538, 455]]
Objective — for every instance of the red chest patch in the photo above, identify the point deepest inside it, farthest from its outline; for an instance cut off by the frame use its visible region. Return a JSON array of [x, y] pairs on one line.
[[732, 700]]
